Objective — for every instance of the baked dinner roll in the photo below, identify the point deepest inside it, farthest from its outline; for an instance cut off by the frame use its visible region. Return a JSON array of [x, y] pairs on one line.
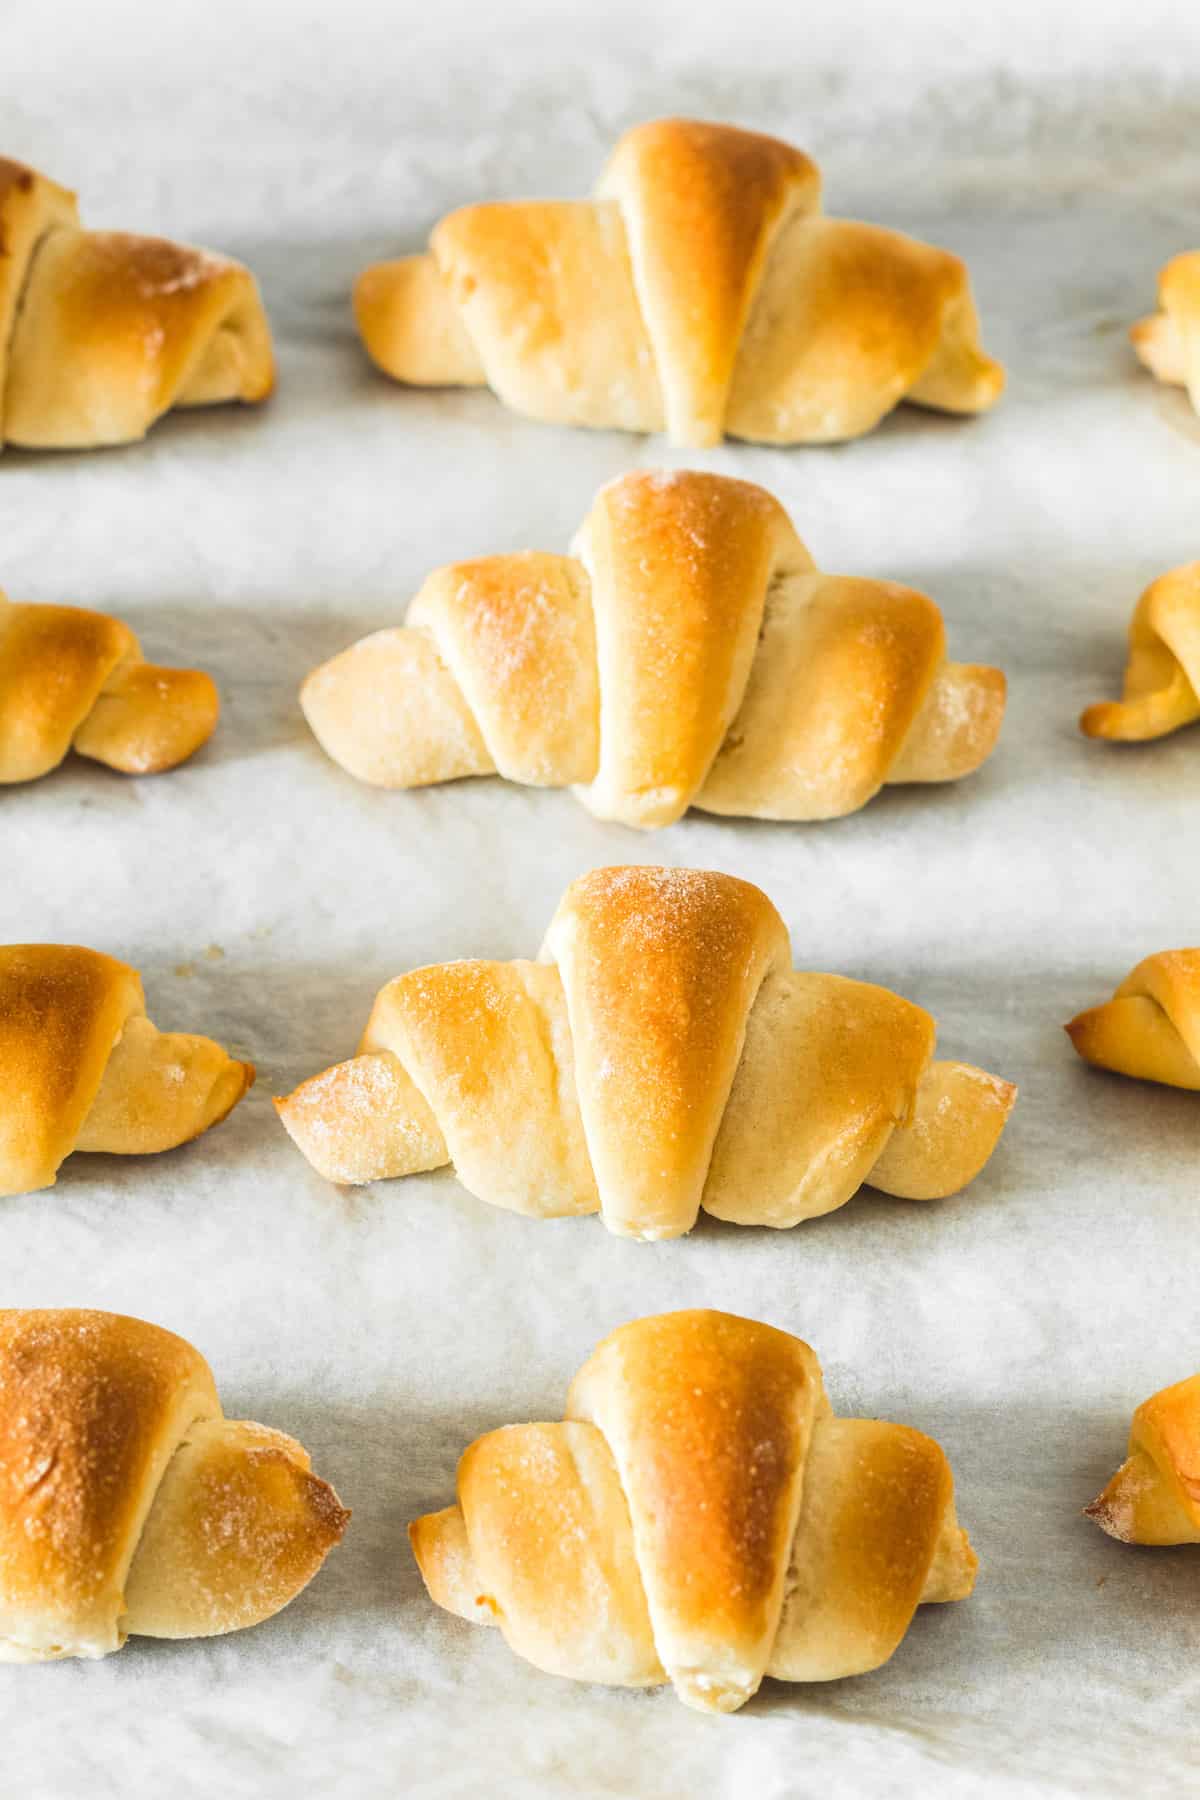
[[1151, 1026], [1162, 677], [82, 1067], [688, 653], [1154, 1497], [101, 333], [76, 680], [129, 1505], [700, 292], [700, 1517], [662, 1056], [1168, 342]]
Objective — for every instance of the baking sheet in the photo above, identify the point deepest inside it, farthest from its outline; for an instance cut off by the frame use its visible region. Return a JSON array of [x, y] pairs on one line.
[[266, 896]]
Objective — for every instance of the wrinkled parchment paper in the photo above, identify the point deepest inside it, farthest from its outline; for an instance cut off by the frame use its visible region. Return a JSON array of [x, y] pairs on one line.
[[266, 896]]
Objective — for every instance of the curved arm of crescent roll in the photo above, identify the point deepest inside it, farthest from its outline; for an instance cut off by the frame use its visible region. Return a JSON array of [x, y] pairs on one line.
[[877, 1536], [413, 332], [957, 726], [443, 1554], [161, 1089], [146, 719], [411, 327], [959, 1116], [390, 712], [366, 1120], [238, 1527]]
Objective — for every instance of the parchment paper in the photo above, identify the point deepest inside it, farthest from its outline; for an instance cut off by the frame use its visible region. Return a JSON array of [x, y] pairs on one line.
[[266, 896]]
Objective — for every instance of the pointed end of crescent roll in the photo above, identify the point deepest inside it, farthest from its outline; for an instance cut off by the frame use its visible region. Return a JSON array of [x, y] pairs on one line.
[[1159, 346], [363, 1120], [1112, 1510], [962, 377], [147, 719], [238, 1527], [957, 727], [1136, 721], [960, 1114], [1132, 1035], [1107, 719], [1141, 1506], [410, 327], [237, 362], [390, 712], [980, 381], [161, 1089], [1143, 332], [443, 1555], [1096, 1035], [235, 1084], [993, 379], [955, 1566]]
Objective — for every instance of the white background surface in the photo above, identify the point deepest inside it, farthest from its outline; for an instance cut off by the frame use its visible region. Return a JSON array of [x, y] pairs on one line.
[[1056, 147]]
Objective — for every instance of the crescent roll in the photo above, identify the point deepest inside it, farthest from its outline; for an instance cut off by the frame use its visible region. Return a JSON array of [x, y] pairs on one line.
[[1162, 677], [701, 292], [700, 1517], [688, 653], [76, 680], [1168, 341], [101, 333], [129, 1505], [1154, 1497], [1151, 1027], [662, 1056], [83, 1068]]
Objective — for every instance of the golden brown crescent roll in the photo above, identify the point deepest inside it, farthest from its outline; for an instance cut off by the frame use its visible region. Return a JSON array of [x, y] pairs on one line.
[[76, 680], [129, 1505], [82, 1067], [662, 1056], [1162, 677], [701, 292], [688, 653], [700, 1517], [101, 333], [1151, 1026], [1168, 342], [1154, 1497]]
